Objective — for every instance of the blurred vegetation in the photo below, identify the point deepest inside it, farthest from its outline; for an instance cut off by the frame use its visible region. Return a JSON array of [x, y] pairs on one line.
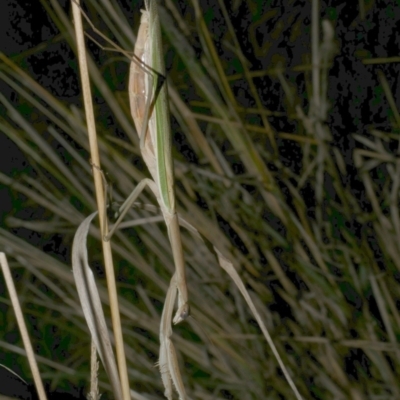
[[286, 124]]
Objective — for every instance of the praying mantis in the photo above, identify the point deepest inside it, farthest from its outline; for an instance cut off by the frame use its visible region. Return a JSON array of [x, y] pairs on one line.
[[149, 109], [150, 113]]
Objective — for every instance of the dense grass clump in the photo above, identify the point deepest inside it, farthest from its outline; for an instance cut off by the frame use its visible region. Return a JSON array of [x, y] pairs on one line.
[[285, 123]]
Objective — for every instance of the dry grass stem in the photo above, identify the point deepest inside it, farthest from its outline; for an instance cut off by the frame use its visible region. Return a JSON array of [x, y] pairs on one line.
[[101, 203], [22, 326]]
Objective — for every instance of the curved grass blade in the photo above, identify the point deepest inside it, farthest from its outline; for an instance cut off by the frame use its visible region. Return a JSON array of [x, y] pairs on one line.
[[91, 303]]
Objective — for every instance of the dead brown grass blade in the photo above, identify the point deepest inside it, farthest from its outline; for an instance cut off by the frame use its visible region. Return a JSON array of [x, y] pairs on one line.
[[91, 303], [22, 326]]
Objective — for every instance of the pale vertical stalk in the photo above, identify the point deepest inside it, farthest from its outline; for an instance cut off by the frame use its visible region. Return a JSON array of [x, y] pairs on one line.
[[95, 157], [22, 327]]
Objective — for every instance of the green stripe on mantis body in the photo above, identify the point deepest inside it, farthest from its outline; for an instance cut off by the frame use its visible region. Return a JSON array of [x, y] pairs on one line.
[[159, 123]]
